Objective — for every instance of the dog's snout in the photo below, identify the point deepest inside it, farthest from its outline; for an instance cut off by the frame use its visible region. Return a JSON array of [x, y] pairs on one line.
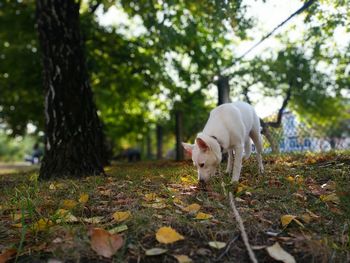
[[201, 180]]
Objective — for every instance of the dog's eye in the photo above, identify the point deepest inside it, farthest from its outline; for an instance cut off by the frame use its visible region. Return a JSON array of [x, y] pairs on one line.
[[201, 165]]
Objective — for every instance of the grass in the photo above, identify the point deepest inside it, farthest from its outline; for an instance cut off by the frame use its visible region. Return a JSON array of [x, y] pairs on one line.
[[313, 187]]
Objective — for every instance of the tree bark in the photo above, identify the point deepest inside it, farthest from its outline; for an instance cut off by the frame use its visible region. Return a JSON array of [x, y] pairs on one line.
[[179, 135], [149, 145], [223, 90], [74, 136], [159, 142]]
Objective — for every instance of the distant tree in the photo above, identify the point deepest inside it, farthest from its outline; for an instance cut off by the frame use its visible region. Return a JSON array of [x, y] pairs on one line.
[[74, 141]]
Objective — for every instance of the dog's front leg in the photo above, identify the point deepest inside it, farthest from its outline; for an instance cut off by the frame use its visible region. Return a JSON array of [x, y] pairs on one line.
[[229, 162], [237, 165]]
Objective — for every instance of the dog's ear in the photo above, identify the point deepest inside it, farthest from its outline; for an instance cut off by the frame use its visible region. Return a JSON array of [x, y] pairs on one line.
[[188, 148], [202, 144]]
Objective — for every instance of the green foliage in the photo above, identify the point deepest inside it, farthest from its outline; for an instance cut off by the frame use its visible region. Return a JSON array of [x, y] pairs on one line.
[[15, 149], [21, 99]]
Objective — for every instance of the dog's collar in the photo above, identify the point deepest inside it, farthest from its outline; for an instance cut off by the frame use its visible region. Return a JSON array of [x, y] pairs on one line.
[[221, 148]]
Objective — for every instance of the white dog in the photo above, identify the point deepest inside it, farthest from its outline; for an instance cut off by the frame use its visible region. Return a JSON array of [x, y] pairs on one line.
[[228, 129]]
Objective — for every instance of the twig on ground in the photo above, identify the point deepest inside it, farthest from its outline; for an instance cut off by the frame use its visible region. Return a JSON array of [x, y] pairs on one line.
[[228, 246], [242, 229]]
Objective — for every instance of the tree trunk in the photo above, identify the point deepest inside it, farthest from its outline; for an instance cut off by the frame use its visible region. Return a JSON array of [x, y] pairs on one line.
[[159, 142], [272, 141], [149, 145], [179, 135], [223, 90], [74, 137]]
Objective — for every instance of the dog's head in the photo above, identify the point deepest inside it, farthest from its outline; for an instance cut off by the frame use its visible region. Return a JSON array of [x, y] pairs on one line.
[[206, 155]]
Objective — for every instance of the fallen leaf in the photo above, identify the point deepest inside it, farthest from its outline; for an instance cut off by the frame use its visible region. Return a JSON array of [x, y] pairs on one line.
[[155, 251], [287, 219], [217, 244], [203, 216], [83, 198], [183, 259], [104, 243], [155, 205], [121, 216], [193, 208], [66, 216], [7, 254], [278, 253], [150, 197], [118, 229], [93, 220], [42, 224], [18, 225], [69, 204], [330, 198], [167, 235], [52, 187]]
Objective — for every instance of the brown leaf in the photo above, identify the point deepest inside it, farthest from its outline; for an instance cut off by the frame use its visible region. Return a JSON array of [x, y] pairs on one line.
[[104, 243], [7, 254]]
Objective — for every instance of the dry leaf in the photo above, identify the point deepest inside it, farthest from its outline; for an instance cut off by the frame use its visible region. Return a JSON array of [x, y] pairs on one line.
[[121, 216], [287, 219], [150, 197], [203, 216], [193, 208], [104, 243], [183, 259], [278, 253], [66, 216], [69, 204], [42, 224], [7, 254], [167, 235], [83, 198], [154, 205], [118, 229], [217, 244], [330, 198], [155, 251], [93, 220]]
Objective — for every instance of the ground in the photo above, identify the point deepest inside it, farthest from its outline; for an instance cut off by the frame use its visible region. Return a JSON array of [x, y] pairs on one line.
[[57, 219]]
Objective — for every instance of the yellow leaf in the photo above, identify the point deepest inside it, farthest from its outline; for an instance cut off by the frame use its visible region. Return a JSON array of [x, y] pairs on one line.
[[52, 187], [290, 179], [330, 198], [178, 201], [19, 225], [193, 208], [121, 216], [299, 179], [83, 198], [287, 219], [42, 224], [69, 204], [150, 197], [217, 244], [203, 216], [183, 259], [278, 253], [167, 235]]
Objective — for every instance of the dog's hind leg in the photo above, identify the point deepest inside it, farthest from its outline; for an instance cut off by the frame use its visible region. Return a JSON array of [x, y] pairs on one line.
[[247, 149], [256, 137]]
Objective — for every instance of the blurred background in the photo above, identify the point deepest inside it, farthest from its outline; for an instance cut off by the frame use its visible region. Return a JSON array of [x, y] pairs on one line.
[[157, 68]]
